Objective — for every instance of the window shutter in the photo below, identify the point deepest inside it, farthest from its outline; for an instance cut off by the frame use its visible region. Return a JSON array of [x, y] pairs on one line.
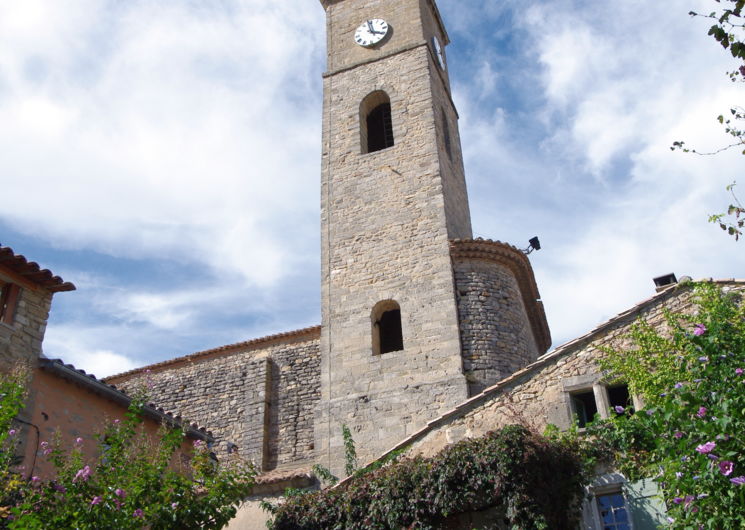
[[644, 503]]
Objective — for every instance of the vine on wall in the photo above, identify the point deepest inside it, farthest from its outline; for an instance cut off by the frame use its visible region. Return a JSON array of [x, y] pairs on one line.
[[536, 482]]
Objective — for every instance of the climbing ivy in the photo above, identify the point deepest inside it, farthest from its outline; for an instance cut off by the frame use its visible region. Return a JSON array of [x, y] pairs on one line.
[[536, 482]]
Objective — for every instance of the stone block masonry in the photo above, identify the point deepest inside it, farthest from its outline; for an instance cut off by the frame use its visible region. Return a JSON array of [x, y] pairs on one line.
[[502, 323], [20, 343], [256, 397]]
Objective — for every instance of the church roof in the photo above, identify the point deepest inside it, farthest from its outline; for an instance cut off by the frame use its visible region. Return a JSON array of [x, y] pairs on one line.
[[32, 272], [313, 332]]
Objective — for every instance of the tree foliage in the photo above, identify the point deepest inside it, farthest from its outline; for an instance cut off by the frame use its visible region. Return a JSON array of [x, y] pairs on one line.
[[691, 435], [729, 31]]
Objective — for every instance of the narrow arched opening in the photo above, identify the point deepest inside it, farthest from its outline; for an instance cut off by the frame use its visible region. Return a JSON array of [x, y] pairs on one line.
[[376, 122], [446, 135], [387, 332]]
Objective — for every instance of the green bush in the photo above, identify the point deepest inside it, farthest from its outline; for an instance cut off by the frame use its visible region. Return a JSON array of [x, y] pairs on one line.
[[12, 395], [536, 482]]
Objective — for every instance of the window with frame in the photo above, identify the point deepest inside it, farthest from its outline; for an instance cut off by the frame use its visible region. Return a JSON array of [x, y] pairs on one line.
[[8, 300], [612, 510], [584, 407]]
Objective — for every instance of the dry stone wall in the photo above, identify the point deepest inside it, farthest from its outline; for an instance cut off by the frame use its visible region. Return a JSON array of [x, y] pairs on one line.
[[260, 398]]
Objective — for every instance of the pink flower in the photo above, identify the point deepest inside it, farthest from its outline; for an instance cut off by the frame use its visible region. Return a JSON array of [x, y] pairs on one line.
[[78, 441], [619, 409], [726, 467], [739, 371], [120, 493], [96, 500], [740, 481], [45, 450], [701, 412], [116, 422], [678, 434], [35, 479], [699, 329], [83, 474], [174, 505], [678, 500], [60, 488], [12, 432], [708, 447], [138, 513]]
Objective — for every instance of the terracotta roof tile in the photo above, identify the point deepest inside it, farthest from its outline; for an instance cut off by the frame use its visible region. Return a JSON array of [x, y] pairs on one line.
[[31, 271]]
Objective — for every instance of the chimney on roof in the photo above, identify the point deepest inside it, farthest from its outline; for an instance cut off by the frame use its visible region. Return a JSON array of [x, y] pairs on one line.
[[663, 282]]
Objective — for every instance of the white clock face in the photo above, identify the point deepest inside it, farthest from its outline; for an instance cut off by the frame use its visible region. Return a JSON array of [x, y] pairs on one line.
[[371, 32], [438, 52]]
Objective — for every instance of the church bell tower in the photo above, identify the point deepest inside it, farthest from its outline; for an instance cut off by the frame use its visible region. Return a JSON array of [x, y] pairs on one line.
[[393, 196]]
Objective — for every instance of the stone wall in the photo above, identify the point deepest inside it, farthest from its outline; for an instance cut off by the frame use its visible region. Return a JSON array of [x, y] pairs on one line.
[[258, 395], [540, 394], [20, 342], [495, 331], [503, 325]]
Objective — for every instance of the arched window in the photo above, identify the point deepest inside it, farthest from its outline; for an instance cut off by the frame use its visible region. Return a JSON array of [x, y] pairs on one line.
[[376, 124], [386, 328]]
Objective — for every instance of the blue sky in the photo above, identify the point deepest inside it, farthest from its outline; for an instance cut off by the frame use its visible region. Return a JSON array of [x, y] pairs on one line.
[[164, 156]]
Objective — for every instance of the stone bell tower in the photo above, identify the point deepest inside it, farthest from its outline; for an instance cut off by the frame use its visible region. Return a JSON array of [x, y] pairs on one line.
[[416, 315], [393, 195]]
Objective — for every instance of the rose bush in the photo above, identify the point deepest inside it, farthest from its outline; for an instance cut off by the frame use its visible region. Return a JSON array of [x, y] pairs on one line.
[[137, 481], [691, 435]]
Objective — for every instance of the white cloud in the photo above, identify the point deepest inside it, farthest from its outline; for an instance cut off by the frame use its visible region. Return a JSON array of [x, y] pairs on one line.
[[188, 134], [165, 136], [81, 350]]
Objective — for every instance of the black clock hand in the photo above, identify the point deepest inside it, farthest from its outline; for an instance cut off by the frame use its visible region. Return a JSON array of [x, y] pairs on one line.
[[370, 27]]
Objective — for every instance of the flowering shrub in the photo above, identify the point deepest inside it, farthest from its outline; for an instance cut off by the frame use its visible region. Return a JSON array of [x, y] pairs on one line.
[[535, 482], [691, 437], [12, 393], [133, 484]]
